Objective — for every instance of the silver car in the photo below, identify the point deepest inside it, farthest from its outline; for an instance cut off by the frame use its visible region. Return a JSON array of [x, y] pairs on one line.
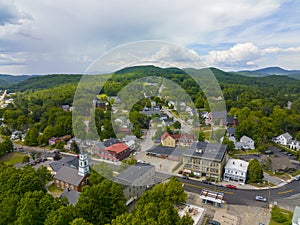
[[260, 198]]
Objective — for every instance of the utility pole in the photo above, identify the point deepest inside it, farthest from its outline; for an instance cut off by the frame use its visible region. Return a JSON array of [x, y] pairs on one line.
[[269, 195]]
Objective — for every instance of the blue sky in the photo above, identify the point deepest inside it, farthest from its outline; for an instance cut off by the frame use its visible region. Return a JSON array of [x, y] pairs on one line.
[[52, 36]]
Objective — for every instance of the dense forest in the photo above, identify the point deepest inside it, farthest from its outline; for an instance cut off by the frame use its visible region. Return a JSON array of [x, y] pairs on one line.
[[25, 201], [260, 103]]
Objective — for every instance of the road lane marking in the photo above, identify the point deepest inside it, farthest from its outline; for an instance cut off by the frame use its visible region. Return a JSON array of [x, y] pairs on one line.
[[284, 192], [206, 188]]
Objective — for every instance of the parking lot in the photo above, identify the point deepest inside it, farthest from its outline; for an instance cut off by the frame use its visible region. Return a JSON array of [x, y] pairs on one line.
[[161, 165]]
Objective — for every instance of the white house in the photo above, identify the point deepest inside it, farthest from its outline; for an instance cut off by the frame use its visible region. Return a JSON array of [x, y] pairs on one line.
[[296, 216], [295, 145], [245, 143], [283, 139], [236, 170]]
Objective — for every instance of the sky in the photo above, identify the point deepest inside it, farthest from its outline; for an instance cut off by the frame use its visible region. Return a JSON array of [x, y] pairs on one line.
[[54, 36]]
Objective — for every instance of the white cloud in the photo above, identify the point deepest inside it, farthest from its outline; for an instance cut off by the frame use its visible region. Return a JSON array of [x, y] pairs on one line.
[[246, 55], [239, 54], [65, 36]]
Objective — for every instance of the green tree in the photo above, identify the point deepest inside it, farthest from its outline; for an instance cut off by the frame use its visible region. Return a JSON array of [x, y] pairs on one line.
[[31, 137], [80, 221], [177, 125], [201, 136], [6, 146], [62, 216], [74, 147], [255, 172], [229, 144], [25, 159], [101, 202]]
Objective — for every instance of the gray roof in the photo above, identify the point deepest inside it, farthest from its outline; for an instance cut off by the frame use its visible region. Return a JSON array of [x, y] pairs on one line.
[[110, 142], [99, 145], [296, 216], [151, 112], [287, 136], [69, 175], [231, 131], [178, 152], [206, 150], [129, 138], [132, 173], [71, 195], [161, 150], [71, 161]]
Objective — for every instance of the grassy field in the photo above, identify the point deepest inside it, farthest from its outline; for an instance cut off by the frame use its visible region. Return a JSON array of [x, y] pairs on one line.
[[12, 158], [281, 216]]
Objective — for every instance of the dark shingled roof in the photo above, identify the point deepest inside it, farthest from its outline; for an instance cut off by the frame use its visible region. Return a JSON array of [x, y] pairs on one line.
[[231, 131], [161, 150], [110, 142], [206, 150], [71, 161], [69, 175], [71, 195]]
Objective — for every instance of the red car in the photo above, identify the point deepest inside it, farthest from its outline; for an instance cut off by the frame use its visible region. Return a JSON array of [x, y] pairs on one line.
[[230, 186]]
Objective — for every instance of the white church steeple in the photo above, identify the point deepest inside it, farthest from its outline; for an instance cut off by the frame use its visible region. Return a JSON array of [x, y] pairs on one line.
[[83, 167]]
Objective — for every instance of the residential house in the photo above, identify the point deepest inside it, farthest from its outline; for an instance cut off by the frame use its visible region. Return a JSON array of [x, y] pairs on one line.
[[54, 140], [115, 152], [221, 118], [124, 130], [135, 180], [171, 140], [186, 139], [230, 131], [295, 145], [205, 159], [245, 143], [167, 122], [73, 178], [283, 139], [236, 170], [296, 216]]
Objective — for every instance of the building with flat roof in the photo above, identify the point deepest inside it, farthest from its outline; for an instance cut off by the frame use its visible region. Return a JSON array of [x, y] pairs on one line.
[[205, 159]]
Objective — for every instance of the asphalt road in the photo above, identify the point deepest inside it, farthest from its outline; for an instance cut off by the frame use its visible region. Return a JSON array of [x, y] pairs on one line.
[[244, 196]]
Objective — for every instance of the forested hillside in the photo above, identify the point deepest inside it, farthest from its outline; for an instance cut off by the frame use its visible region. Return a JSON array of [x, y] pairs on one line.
[[259, 103]]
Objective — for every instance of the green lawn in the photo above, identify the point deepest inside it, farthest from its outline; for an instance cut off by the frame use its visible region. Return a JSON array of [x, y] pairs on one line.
[[12, 158], [281, 216]]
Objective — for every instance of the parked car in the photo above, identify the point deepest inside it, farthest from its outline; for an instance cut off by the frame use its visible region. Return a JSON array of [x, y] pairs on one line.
[[214, 222], [230, 186], [261, 198], [206, 182], [180, 172], [185, 177], [297, 177]]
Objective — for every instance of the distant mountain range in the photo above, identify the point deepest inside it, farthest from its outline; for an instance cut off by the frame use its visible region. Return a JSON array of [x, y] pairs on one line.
[[265, 76], [270, 71]]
